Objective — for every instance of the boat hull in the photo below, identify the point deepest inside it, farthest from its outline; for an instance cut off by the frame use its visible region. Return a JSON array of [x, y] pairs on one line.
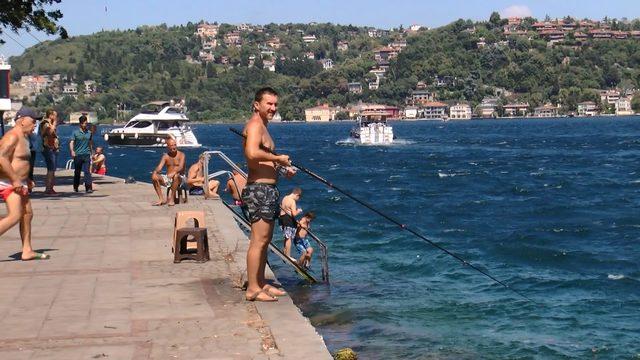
[[143, 140]]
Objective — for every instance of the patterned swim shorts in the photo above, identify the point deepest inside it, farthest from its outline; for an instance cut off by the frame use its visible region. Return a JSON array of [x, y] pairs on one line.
[[261, 201]]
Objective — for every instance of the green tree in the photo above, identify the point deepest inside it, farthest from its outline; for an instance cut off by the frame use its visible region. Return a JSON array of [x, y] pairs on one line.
[[635, 103], [31, 14]]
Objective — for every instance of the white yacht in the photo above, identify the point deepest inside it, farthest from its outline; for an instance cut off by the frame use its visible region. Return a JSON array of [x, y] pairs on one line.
[[156, 122], [372, 130]]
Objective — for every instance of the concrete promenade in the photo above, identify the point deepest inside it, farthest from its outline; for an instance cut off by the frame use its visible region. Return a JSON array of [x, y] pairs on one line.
[[112, 291]]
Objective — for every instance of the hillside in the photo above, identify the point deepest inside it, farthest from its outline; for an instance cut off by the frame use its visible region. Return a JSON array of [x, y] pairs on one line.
[[218, 72]]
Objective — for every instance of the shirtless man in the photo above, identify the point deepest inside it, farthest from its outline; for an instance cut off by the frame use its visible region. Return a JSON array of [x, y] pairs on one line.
[[174, 161], [288, 212], [14, 180], [235, 185], [300, 240], [195, 178], [260, 196]]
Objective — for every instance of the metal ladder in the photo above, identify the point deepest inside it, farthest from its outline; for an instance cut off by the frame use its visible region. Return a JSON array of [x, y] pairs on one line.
[[242, 219]]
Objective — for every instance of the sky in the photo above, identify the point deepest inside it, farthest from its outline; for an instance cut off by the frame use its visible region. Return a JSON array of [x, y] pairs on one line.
[[83, 17]]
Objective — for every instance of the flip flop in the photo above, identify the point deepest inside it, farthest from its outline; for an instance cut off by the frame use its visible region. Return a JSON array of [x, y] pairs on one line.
[[38, 256], [254, 297], [158, 204]]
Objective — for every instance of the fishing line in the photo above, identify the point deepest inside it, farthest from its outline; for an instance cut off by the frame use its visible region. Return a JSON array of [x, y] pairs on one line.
[[396, 222]]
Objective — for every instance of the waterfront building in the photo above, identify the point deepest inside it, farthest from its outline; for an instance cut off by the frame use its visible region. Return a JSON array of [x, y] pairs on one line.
[[487, 108], [322, 112], [411, 112], [588, 108], [374, 110], [434, 110], [516, 109], [460, 112], [546, 110], [623, 107]]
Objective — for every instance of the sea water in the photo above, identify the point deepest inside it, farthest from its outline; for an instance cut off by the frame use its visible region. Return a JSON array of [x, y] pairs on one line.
[[549, 206]]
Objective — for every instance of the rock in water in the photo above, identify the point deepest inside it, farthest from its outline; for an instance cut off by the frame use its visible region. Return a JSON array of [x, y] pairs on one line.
[[346, 354]]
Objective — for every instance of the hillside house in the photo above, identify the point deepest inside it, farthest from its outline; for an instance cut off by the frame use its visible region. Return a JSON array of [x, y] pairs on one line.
[[308, 39], [327, 64], [355, 87], [623, 107], [205, 30], [434, 110], [384, 54], [343, 46]]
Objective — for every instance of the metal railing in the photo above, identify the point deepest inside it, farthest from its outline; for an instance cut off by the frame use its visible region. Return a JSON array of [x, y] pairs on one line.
[[321, 245]]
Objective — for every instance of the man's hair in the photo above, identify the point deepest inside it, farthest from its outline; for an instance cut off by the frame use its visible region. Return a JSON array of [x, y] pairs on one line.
[[49, 112], [170, 139], [296, 191], [265, 90], [82, 119], [310, 215]]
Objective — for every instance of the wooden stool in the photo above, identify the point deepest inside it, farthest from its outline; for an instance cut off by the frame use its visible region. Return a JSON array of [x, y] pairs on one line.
[[199, 236], [181, 219]]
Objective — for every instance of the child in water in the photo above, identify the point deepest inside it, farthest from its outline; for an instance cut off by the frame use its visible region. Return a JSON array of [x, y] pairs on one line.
[[300, 239]]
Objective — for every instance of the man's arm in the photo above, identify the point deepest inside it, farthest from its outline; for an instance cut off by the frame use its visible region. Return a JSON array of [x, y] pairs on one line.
[[72, 143], [252, 149], [7, 147], [158, 168]]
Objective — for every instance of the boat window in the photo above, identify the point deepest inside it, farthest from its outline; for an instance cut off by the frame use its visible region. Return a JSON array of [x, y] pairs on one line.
[[173, 110], [142, 124], [163, 125], [131, 124]]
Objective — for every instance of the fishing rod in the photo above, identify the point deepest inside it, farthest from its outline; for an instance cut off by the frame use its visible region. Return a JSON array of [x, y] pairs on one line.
[[394, 221]]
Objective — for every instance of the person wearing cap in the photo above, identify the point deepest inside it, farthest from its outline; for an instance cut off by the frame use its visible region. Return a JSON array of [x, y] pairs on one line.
[[14, 180], [81, 146]]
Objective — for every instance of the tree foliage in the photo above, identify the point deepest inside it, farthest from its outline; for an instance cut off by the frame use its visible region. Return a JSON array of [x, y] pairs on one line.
[[30, 14]]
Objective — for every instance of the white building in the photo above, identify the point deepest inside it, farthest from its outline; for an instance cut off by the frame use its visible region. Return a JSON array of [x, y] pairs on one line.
[[327, 64], [623, 107], [460, 112], [587, 108]]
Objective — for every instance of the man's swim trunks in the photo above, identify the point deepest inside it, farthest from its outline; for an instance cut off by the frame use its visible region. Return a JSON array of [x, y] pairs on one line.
[[6, 189], [167, 180], [261, 201], [301, 244]]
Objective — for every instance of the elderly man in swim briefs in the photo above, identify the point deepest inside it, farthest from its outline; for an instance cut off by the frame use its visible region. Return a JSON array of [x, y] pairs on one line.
[[14, 180], [261, 195], [174, 161]]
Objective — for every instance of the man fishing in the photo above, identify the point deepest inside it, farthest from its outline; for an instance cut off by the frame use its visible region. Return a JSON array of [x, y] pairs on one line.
[[260, 195]]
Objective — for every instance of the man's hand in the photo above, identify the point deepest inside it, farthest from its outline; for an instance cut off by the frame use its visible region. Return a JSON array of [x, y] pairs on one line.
[[283, 160], [73, 154], [290, 172], [19, 188]]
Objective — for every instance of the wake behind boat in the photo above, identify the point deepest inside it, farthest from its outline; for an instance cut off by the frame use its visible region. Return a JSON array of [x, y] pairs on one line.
[[156, 122], [372, 130]]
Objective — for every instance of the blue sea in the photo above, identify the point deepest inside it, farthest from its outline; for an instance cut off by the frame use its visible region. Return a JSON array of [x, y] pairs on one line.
[[549, 206]]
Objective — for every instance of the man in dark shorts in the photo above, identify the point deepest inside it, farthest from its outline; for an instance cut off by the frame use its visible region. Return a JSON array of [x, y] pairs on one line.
[[260, 195]]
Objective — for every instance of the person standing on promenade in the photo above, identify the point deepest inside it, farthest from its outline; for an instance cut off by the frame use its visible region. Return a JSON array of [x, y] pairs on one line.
[[50, 148], [35, 146], [288, 212], [81, 147], [260, 195], [99, 162], [235, 185], [15, 182], [174, 161]]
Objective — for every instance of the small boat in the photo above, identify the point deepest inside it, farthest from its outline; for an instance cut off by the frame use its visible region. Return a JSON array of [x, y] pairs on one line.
[[372, 130], [157, 122]]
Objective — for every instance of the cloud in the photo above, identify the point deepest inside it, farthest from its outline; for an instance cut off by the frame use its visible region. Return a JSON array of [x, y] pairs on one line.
[[516, 11]]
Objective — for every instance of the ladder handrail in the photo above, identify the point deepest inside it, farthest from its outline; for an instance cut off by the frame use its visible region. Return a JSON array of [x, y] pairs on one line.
[[324, 256]]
